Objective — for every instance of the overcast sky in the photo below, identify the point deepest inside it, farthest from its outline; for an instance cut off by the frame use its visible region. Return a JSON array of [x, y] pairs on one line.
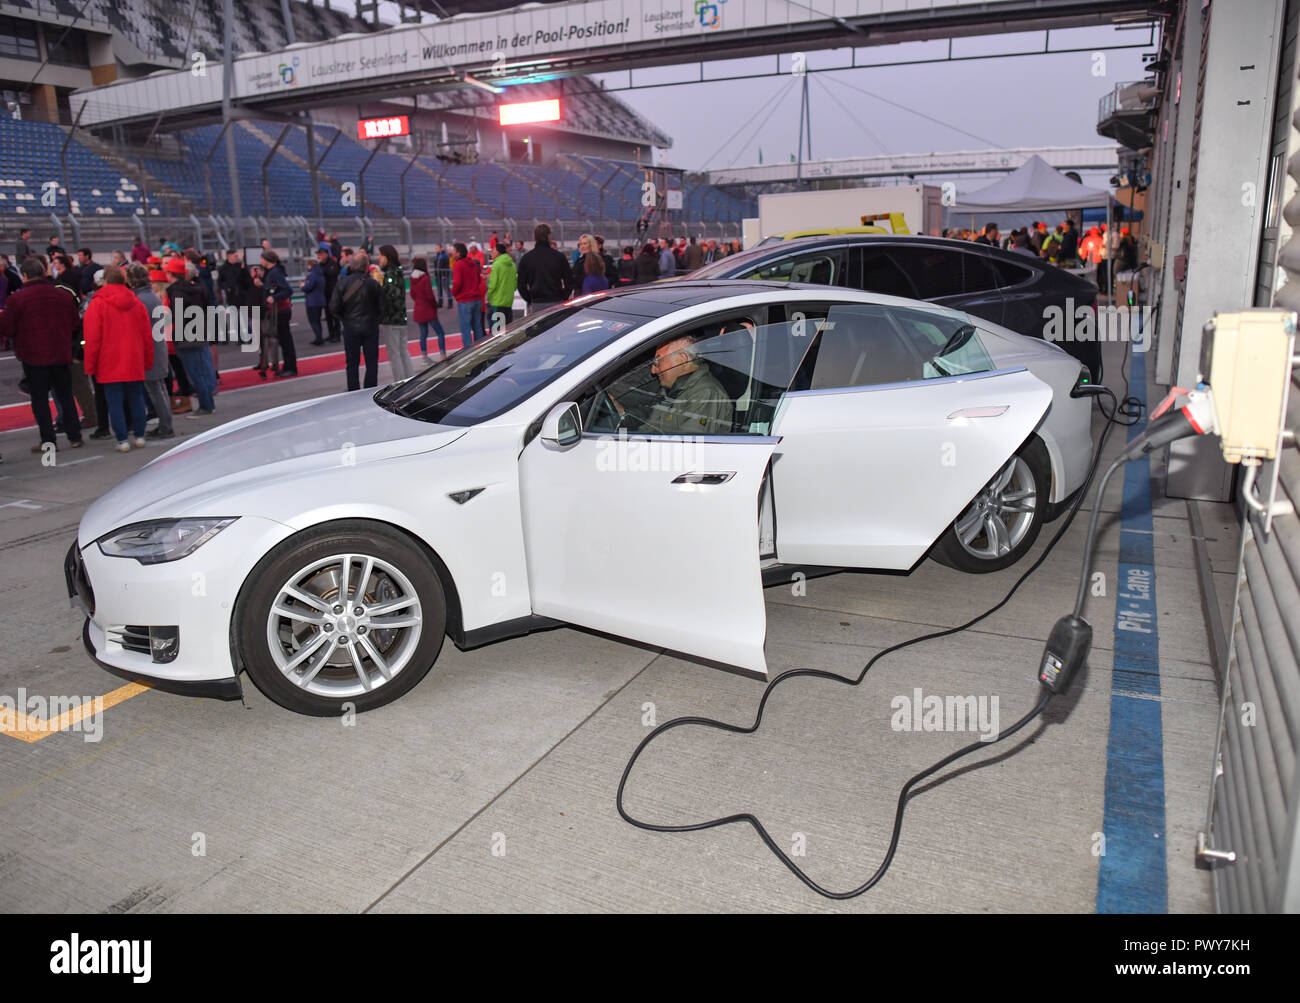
[[993, 103]]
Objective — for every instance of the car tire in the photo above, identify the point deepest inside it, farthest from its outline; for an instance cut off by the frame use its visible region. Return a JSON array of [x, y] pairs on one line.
[[317, 649], [1002, 522]]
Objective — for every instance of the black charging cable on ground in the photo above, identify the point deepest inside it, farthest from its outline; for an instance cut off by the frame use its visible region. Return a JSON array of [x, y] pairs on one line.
[[1066, 649]]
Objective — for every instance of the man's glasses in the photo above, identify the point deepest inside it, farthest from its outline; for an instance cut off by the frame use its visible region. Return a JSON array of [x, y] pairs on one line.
[[661, 361]]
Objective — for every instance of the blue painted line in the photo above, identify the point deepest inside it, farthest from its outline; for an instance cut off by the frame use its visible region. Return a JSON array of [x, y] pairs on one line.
[[1131, 876]]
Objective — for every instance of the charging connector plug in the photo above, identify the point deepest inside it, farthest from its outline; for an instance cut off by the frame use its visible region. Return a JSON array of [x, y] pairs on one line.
[[1067, 649]]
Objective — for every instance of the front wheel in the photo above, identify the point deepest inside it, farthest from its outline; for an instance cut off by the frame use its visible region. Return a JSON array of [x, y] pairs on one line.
[[347, 616], [1002, 522]]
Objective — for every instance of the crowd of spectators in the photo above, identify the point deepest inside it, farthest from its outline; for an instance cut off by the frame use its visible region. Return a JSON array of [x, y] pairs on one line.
[[1063, 245], [107, 342]]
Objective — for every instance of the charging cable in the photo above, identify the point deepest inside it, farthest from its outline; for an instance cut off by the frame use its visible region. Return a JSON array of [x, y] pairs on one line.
[[1066, 649]]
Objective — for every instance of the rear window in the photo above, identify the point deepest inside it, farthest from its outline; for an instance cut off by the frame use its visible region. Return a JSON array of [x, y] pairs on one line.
[[1010, 274], [979, 276]]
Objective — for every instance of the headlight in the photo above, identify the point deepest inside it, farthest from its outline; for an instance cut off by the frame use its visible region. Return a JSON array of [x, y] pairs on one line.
[[162, 540]]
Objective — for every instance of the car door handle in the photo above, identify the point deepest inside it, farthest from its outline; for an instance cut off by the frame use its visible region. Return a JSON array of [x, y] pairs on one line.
[[710, 477], [987, 411]]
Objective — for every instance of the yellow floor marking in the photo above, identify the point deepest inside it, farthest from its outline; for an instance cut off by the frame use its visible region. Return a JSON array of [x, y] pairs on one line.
[[29, 728]]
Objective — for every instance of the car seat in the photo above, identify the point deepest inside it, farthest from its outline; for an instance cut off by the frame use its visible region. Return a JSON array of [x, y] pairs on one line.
[[862, 351]]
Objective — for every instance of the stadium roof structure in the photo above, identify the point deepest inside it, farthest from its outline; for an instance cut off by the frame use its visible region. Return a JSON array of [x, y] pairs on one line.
[[588, 109], [544, 41]]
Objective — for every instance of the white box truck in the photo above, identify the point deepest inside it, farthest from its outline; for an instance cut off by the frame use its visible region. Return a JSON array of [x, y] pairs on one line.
[[895, 209]]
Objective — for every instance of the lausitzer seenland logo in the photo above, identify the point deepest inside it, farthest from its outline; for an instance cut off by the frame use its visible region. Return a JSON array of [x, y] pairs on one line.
[[193, 324], [709, 12]]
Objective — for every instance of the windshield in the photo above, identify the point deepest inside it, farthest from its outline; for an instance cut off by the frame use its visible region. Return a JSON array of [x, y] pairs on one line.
[[493, 376]]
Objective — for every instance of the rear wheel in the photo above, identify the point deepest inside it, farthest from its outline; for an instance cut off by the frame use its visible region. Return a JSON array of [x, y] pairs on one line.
[[347, 614], [1002, 522]]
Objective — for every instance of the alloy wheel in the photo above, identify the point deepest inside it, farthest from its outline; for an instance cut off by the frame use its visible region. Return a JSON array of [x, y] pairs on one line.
[[344, 625], [997, 520]]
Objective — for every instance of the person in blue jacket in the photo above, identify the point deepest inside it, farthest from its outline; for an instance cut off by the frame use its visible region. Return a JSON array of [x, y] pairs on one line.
[[313, 289]]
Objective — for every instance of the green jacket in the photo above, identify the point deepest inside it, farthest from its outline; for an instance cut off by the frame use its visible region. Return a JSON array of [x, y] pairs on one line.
[[502, 282], [696, 405], [392, 301]]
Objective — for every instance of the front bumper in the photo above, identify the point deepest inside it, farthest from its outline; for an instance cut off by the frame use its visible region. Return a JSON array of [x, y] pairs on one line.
[[222, 689], [194, 597]]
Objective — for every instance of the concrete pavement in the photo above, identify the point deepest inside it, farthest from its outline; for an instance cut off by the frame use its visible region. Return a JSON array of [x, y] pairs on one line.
[[490, 787]]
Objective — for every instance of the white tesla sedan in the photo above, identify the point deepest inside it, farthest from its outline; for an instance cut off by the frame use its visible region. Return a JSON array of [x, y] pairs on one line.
[[631, 462]]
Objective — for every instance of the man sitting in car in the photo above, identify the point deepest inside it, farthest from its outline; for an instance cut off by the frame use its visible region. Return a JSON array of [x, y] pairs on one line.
[[691, 400]]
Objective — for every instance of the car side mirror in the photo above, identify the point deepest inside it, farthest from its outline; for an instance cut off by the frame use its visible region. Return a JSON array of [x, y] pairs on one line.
[[562, 427]]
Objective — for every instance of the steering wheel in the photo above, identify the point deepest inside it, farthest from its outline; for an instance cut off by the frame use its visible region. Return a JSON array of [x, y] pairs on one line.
[[602, 407]]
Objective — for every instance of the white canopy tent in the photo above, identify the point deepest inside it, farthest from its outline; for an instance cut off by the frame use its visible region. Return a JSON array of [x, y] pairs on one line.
[[1033, 186]]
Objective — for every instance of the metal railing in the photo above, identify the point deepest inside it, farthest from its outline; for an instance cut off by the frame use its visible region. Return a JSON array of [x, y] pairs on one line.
[[294, 236], [1123, 97]]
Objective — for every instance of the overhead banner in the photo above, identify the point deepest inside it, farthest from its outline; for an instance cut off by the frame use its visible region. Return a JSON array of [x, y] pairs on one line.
[[497, 48]]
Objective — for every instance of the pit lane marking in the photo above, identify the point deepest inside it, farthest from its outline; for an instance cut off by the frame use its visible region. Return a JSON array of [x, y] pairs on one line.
[[30, 728]]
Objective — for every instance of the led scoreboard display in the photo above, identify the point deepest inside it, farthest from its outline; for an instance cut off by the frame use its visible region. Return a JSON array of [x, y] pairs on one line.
[[523, 112], [383, 128]]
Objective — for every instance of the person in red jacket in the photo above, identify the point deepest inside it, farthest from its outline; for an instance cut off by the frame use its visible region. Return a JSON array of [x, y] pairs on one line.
[[426, 310], [468, 290], [41, 321], [119, 350]]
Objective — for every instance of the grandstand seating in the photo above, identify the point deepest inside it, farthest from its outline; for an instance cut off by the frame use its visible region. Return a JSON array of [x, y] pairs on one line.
[[109, 182], [29, 159], [30, 167]]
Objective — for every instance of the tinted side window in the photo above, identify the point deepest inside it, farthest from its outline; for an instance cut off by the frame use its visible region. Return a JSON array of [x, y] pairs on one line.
[[878, 272], [1011, 274], [863, 345], [979, 274], [936, 271]]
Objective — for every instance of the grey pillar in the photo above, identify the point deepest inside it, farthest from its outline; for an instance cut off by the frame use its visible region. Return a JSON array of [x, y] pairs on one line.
[[312, 165], [288, 22], [227, 89], [1232, 178], [1174, 176]]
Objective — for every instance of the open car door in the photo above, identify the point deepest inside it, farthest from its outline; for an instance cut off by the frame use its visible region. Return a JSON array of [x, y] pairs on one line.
[[650, 538], [636, 529], [902, 423]]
